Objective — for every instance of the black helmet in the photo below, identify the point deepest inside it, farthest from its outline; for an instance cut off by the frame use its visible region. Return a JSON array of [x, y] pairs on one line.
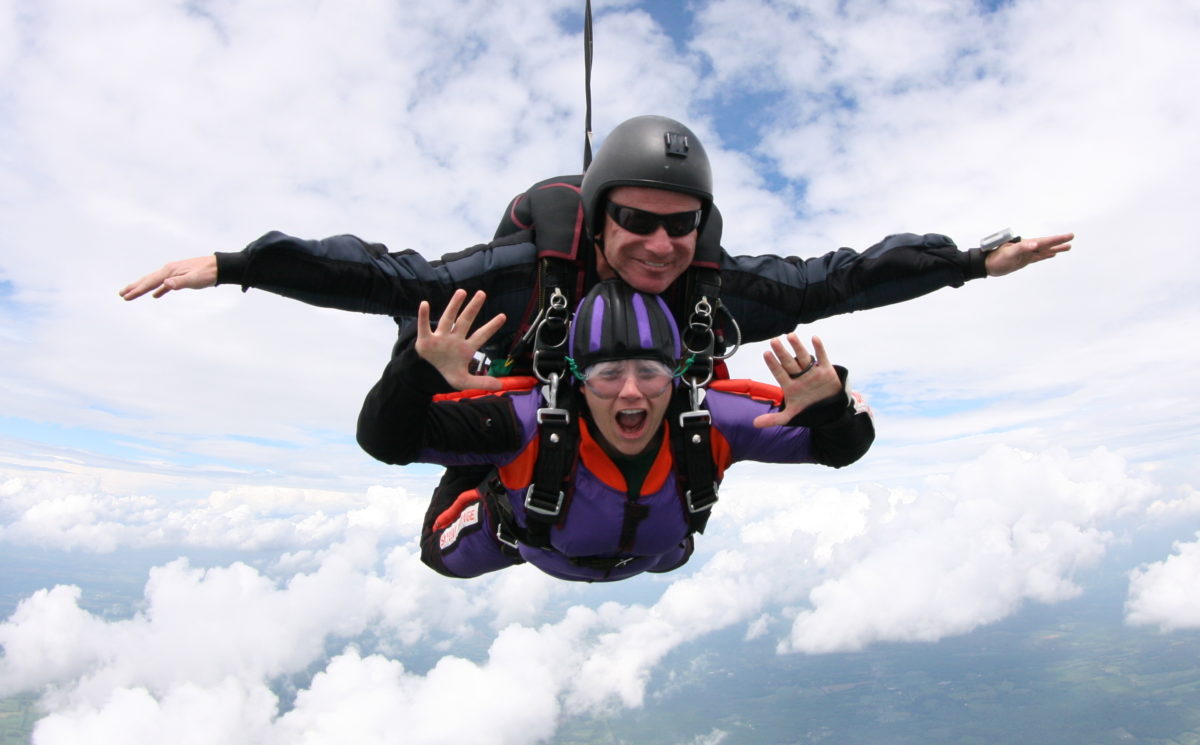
[[616, 322], [651, 151]]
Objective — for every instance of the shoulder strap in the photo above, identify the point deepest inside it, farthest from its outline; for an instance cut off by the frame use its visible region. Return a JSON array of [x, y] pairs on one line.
[[553, 213], [558, 447], [691, 444], [703, 337]]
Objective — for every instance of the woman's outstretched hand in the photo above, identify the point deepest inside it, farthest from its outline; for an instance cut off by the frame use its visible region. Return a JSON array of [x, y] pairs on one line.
[[451, 347], [805, 378]]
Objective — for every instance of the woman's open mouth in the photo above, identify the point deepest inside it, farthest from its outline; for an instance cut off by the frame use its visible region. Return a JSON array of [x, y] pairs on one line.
[[631, 422]]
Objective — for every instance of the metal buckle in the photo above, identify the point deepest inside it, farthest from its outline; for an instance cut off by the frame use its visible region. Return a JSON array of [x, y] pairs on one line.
[[550, 389], [702, 417], [554, 321], [500, 536], [553, 416], [693, 508], [531, 507]]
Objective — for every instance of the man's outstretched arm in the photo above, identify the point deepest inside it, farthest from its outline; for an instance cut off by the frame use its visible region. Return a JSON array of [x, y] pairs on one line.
[[770, 295], [348, 273]]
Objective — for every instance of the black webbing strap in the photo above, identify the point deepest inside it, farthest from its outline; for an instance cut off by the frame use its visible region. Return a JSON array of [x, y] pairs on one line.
[[558, 446], [550, 332], [701, 335], [508, 533], [557, 217], [691, 425], [556, 214], [635, 513], [607, 563], [691, 442]]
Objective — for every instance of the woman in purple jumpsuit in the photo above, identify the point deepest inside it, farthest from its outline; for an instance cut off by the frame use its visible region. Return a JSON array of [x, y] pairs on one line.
[[624, 507]]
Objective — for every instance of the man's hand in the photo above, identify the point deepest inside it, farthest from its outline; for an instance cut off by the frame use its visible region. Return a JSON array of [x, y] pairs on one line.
[[804, 378], [192, 274], [449, 348], [1010, 257]]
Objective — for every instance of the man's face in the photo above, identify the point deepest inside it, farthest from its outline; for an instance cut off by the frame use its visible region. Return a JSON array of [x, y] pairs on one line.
[[629, 420], [649, 263]]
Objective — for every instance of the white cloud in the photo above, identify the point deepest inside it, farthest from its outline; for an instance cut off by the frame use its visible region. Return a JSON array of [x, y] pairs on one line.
[[969, 550], [1183, 507], [199, 627], [227, 712], [715, 737], [75, 512], [1164, 593]]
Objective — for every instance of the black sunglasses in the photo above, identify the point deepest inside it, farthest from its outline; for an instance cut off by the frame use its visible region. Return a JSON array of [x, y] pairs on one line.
[[644, 223]]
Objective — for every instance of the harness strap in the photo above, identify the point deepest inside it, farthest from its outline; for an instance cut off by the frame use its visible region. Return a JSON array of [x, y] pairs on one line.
[[552, 212], [691, 443], [511, 535], [607, 563], [701, 335], [508, 533], [635, 512], [553, 324], [558, 447], [548, 496]]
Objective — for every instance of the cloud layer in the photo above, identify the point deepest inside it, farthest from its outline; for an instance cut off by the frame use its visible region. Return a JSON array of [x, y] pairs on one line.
[[213, 645]]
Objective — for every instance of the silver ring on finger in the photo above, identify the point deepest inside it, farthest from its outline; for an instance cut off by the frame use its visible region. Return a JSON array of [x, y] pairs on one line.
[[812, 362]]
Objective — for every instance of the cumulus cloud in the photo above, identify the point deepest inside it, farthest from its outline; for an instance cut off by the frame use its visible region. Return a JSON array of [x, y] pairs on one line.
[[1181, 507], [75, 512], [968, 550], [1164, 593]]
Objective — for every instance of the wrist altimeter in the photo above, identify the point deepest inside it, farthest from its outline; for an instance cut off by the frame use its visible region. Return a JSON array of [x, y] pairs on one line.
[[998, 239]]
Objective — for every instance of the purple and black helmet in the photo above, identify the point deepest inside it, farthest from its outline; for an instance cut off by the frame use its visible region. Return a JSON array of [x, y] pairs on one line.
[[616, 322]]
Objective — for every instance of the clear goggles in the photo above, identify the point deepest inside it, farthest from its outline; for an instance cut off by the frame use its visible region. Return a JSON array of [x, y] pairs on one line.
[[607, 379]]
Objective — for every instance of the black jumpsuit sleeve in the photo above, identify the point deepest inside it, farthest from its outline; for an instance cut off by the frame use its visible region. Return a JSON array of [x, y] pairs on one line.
[[399, 417], [348, 273], [770, 295]]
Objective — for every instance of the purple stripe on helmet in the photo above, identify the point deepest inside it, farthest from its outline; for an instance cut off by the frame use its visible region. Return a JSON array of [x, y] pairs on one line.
[[645, 337], [671, 323], [597, 325]]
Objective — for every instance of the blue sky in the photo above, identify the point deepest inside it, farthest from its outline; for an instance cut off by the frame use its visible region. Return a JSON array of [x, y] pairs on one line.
[[1028, 425]]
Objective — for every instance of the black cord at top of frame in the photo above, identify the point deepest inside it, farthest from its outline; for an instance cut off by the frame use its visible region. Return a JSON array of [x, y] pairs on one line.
[[587, 84]]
